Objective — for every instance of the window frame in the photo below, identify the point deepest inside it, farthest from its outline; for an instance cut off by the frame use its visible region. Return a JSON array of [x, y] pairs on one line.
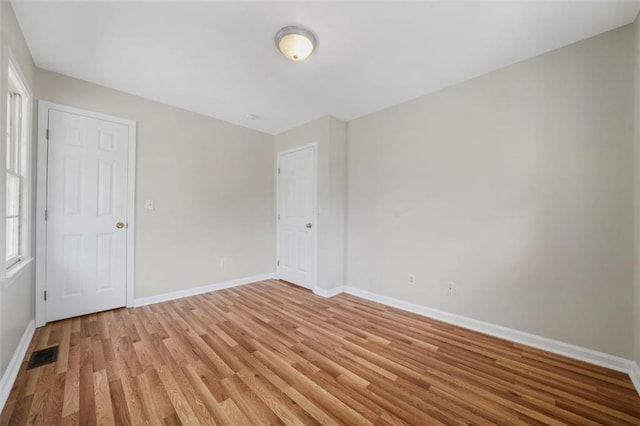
[[14, 140], [15, 84]]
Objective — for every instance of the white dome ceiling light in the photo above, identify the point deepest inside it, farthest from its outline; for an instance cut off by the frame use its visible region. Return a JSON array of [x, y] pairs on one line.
[[295, 43]]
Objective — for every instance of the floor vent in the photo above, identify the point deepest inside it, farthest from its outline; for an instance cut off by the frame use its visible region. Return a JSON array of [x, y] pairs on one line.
[[43, 357]]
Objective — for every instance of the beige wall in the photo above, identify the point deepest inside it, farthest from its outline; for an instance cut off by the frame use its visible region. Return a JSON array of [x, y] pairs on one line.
[[336, 238], [17, 306], [212, 183], [330, 135], [636, 27], [16, 293], [517, 186]]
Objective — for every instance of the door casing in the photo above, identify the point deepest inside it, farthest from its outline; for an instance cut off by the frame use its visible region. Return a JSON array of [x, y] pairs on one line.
[[314, 274], [41, 201]]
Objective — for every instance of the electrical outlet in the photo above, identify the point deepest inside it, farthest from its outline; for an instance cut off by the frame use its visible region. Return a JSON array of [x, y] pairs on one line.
[[451, 289], [412, 279]]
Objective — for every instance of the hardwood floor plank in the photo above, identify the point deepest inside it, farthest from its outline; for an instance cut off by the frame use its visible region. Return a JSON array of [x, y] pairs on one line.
[[234, 414], [208, 398], [65, 345], [296, 397], [272, 353], [118, 398], [21, 411], [252, 406], [180, 404], [71, 400], [36, 410], [132, 399], [102, 397], [87, 406], [285, 408]]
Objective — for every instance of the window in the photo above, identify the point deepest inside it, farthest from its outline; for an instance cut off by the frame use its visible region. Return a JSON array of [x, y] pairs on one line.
[[17, 132], [14, 177]]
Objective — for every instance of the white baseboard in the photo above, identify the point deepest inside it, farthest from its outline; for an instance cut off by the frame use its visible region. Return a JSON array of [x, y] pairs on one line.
[[572, 351], [10, 374], [199, 290], [634, 375], [329, 293]]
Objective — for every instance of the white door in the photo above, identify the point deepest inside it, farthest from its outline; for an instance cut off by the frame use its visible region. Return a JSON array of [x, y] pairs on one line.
[[296, 192], [87, 210]]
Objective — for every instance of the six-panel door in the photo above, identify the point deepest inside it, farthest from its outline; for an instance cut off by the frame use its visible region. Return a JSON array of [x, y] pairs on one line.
[[86, 199], [296, 205]]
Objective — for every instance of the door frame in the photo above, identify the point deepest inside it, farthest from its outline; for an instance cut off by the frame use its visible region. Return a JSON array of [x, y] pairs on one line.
[[314, 273], [41, 200]]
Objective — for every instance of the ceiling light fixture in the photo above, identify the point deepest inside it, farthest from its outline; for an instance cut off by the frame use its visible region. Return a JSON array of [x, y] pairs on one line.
[[295, 43]]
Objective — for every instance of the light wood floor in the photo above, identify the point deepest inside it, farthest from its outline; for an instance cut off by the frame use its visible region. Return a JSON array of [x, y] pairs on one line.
[[271, 353]]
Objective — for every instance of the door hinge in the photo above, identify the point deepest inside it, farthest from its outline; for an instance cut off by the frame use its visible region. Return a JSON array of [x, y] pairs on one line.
[[46, 214], [278, 263], [278, 217], [278, 170], [47, 137], [45, 295]]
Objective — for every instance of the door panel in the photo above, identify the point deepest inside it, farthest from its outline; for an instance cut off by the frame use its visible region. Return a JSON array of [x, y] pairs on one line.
[[296, 213], [86, 196]]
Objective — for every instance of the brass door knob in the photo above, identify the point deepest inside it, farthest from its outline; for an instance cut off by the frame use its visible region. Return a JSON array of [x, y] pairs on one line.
[[120, 225]]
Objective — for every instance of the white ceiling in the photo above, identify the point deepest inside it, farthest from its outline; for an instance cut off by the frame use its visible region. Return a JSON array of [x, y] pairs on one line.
[[219, 59]]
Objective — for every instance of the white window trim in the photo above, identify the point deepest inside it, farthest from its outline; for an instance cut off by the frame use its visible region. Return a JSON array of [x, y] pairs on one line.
[[14, 272], [13, 261], [16, 82]]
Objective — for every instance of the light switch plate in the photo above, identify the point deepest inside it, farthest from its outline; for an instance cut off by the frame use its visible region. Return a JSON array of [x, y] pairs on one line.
[[149, 204]]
